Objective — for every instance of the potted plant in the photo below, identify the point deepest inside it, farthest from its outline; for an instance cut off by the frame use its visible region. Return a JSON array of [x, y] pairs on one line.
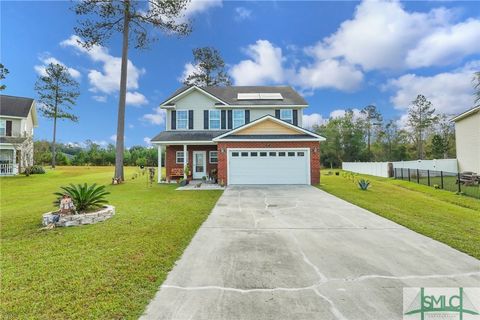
[[187, 172], [213, 175]]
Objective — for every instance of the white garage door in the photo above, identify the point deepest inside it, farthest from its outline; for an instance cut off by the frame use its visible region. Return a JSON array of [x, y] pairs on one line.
[[267, 166]]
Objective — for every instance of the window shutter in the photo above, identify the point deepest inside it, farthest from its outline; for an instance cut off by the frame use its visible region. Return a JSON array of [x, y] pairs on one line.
[[190, 119], [277, 113], [230, 119], [8, 132], [223, 119], [205, 119], [247, 116], [173, 122], [295, 117]]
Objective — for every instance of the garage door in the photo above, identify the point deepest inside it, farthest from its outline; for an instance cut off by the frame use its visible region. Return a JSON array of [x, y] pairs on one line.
[[267, 166]]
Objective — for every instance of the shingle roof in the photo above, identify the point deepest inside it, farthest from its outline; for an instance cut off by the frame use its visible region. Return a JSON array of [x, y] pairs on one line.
[[187, 135], [229, 95], [15, 106]]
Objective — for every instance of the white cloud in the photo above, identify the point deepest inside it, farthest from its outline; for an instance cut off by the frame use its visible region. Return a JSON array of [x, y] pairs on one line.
[[188, 69], [113, 137], [107, 80], [341, 112], [198, 6], [383, 35], [100, 98], [102, 143], [446, 45], [329, 73], [147, 141], [242, 13], [311, 120], [157, 117], [40, 69], [449, 92], [135, 99], [130, 126], [264, 66]]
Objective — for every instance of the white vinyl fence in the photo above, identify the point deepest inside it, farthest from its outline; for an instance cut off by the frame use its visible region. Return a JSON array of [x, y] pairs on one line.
[[379, 169], [446, 165]]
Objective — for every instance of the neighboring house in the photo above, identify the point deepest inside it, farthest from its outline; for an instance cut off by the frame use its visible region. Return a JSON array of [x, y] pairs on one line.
[[18, 117], [250, 135], [467, 137]]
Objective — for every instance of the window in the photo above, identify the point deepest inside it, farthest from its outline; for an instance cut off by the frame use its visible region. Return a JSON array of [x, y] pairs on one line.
[[281, 154], [214, 119], [286, 115], [244, 154], [179, 157], [263, 154], [291, 154], [182, 119], [3, 128], [238, 118], [253, 154], [300, 154], [213, 157], [272, 154], [234, 154]]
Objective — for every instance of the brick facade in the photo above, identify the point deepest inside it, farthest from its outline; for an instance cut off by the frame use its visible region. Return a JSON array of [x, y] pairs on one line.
[[170, 157], [312, 145]]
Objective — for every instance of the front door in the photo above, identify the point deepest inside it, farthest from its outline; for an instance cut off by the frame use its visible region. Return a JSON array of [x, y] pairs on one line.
[[199, 164]]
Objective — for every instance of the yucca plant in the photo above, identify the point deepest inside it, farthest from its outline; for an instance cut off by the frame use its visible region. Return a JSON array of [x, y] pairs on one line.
[[363, 184], [84, 197]]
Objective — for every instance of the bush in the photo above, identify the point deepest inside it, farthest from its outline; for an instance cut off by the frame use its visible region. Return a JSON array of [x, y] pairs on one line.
[[363, 184], [84, 197], [34, 170]]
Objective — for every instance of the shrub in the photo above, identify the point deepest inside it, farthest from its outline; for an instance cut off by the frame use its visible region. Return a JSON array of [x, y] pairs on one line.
[[34, 170], [436, 186], [84, 197], [363, 184]]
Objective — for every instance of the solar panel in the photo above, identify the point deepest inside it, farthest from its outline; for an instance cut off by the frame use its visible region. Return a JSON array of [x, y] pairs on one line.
[[259, 96], [248, 96], [271, 96]]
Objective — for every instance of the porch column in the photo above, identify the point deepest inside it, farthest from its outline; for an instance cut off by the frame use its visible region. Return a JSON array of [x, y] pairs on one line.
[[185, 160], [159, 163]]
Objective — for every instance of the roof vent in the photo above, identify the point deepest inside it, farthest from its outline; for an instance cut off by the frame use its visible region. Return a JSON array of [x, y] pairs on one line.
[[259, 96]]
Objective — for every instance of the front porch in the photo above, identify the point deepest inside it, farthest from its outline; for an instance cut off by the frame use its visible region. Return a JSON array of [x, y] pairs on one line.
[[8, 162], [201, 159]]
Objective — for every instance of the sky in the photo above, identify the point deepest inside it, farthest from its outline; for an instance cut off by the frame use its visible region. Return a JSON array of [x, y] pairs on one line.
[[339, 55]]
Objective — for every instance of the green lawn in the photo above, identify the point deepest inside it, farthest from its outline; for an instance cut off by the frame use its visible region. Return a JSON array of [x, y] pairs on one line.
[[109, 270], [441, 215]]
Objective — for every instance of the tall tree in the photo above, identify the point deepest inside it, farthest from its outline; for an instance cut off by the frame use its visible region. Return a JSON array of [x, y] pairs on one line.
[[421, 115], [209, 69], [373, 118], [133, 19], [3, 73], [58, 93]]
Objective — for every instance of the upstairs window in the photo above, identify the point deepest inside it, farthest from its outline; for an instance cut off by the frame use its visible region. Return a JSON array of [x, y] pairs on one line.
[[182, 119], [238, 118], [3, 128], [214, 119], [286, 115]]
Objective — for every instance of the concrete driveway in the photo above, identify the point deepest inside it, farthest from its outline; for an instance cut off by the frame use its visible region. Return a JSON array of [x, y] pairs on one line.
[[296, 252]]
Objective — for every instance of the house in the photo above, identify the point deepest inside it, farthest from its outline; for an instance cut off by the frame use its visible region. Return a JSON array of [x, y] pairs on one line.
[[18, 117], [467, 139], [247, 134]]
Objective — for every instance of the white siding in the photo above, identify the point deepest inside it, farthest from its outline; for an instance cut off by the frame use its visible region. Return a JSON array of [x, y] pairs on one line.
[[467, 135]]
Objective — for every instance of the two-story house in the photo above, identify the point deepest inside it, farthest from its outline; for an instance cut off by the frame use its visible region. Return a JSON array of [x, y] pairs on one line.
[[18, 117], [250, 135]]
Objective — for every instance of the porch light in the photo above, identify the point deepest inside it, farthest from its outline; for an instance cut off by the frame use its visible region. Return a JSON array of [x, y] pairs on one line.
[[223, 150]]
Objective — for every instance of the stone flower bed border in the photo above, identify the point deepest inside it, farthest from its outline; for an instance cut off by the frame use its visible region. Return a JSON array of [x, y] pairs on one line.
[[79, 219]]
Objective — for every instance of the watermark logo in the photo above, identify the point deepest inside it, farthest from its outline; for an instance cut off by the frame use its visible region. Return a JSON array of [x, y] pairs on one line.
[[441, 303]]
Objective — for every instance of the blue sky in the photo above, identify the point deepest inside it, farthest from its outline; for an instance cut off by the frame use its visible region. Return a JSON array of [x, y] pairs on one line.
[[338, 54]]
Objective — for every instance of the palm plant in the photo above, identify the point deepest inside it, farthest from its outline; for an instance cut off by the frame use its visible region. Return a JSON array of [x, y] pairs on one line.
[[83, 196], [363, 184]]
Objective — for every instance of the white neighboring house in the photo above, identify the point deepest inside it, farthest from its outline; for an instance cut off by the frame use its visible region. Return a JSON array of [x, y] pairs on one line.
[[467, 137], [18, 117]]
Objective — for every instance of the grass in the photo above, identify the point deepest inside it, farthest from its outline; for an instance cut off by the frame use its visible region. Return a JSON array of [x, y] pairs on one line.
[[109, 270], [438, 214]]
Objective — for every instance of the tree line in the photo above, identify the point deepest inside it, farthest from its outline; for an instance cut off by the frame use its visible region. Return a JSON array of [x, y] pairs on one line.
[[366, 136], [91, 153]]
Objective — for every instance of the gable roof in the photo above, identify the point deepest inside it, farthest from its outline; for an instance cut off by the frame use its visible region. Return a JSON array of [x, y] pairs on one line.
[[228, 95], [466, 113], [306, 134], [15, 106]]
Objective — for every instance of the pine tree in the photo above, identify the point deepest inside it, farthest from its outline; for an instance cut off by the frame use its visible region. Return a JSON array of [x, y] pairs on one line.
[[209, 69], [421, 116]]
